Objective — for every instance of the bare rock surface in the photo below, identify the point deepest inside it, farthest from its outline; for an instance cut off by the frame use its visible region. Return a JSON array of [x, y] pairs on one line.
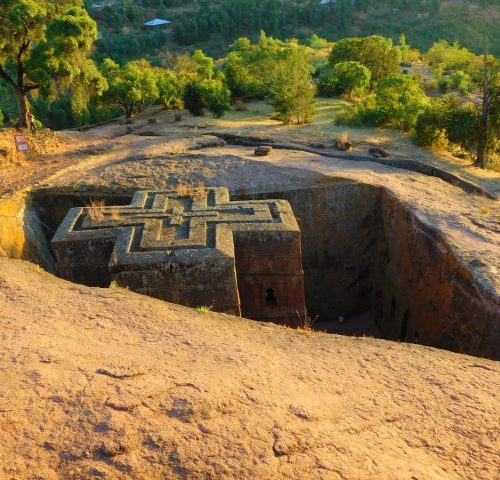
[[109, 384]]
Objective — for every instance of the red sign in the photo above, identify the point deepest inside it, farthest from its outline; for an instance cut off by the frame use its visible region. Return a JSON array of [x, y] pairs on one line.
[[21, 143]]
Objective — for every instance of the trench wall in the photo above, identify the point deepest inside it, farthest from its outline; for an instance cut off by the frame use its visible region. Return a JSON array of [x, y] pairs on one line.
[[21, 233], [363, 249], [424, 294]]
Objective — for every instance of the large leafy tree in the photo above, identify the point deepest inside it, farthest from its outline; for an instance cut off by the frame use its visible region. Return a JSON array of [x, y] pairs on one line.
[[292, 88], [348, 78], [401, 100], [130, 86], [376, 53], [45, 45]]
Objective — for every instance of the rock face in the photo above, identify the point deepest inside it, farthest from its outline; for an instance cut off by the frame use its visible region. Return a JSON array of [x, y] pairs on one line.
[[362, 249], [100, 383], [424, 292], [196, 249]]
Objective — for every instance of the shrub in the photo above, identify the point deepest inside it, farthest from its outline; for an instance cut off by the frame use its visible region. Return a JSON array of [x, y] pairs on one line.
[[346, 77], [217, 97], [211, 94], [446, 121], [376, 53], [364, 113], [462, 82], [194, 99]]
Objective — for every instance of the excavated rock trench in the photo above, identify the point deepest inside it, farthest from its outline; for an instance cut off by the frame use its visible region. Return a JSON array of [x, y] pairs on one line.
[[367, 260]]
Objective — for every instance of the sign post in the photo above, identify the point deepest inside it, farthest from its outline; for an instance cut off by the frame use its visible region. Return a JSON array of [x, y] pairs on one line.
[[21, 144]]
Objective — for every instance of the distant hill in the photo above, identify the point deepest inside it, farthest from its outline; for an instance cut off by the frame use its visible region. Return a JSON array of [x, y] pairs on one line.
[[212, 25]]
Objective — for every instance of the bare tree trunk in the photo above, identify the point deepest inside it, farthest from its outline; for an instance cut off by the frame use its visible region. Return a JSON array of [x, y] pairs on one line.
[[19, 87], [22, 107], [483, 128]]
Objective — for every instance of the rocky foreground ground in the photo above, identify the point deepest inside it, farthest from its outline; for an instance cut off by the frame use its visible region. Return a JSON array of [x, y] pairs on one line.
[[109, 384]]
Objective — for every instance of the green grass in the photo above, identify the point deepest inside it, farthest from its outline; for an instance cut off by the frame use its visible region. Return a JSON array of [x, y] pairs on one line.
[[203, 310]]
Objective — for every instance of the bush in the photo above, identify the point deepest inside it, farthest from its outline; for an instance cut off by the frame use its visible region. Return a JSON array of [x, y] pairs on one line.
[[376, 53], [194, 99], [364, 113], [400, 100], [345, 78], [446, 121], [211, 95], [462, 82], [444, 85], [1, 118], [217, 97]]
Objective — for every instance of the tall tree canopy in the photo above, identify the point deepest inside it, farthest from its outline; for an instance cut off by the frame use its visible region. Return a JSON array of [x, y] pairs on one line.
[[376, 53], [130, 86], [45, 45]]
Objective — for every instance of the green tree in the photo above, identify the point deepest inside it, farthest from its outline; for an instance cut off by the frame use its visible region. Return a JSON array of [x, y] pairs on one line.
[[217, 96], [170, 89], [292, 88], [404, 49], [376, 53], [211, 94], [448, 120], [350, 77], [194, 99], [130, 86], [46, 45], [400, 100]]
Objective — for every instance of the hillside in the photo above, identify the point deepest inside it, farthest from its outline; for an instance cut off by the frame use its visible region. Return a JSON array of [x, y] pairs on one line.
[[213, 25]]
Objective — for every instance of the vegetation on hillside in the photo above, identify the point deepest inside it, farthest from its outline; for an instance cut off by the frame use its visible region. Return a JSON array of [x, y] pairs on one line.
[[50, 61]]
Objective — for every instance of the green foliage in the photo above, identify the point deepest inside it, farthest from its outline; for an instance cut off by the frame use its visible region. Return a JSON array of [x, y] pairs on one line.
[[217, 96], [404, 50], [50, 44], [376, 53], [398, 100], [228, 19], [194, 99], [170, 89], [292, 88], [448, 120], [462, 82], [361, 114], [211, 94], [130, 86], [445, 57], [1, 118], [203, 310], [273, 68], [205, 89], [318, 43], [346, 78]]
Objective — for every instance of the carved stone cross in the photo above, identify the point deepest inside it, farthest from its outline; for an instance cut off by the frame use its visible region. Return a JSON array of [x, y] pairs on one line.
[[198, 249]]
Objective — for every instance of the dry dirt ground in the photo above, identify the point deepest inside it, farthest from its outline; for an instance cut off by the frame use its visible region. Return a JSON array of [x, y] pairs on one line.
[[109, 384]]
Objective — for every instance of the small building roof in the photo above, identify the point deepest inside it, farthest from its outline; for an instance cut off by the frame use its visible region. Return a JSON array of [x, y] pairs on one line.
[[156, 22]]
